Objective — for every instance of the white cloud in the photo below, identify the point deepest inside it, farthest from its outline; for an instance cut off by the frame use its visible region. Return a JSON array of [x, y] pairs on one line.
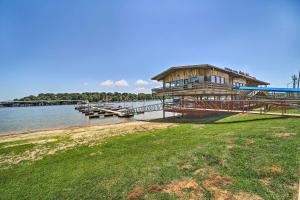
[[121, 83], [85, 84], [156, 83], [107, 83], [141, 82], [140, 89]]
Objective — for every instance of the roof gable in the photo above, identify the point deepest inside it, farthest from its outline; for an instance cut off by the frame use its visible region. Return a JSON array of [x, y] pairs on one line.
[[207, 66]]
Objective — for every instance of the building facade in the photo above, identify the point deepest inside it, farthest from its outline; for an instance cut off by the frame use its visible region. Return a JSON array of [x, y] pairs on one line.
[[204, 81]]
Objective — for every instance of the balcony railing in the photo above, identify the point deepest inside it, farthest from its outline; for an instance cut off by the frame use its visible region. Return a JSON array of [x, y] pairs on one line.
[[192, 86]]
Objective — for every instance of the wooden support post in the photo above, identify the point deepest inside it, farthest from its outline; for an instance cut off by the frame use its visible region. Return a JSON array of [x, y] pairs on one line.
[[163, 106]]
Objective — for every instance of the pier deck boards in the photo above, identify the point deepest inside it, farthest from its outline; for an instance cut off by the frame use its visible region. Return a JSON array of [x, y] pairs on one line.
[[118, 113]]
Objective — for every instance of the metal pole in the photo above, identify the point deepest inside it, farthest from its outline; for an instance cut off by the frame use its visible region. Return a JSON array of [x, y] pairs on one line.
[[299, 79], [164, 114]]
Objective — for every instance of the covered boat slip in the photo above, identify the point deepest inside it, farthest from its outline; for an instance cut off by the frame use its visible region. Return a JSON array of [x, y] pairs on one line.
[[267, 89]]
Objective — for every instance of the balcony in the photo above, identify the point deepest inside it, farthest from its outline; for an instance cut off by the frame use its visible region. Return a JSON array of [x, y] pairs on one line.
[[186, 88]]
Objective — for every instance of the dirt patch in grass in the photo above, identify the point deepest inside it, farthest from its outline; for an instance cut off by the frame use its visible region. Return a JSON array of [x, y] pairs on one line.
[[265, 181], [155, 188], [284, 134], [216, 180], [186, 167], [275, 169], [246, 196], [184, 188], [230, 143], [215, 183], [294, 186], [135, 193]]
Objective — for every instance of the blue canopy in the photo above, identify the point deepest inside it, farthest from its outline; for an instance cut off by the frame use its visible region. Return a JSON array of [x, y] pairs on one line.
[[267, 89]]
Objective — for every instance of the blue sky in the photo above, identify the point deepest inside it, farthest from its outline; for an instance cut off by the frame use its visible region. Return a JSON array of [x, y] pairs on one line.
[[76, 45]]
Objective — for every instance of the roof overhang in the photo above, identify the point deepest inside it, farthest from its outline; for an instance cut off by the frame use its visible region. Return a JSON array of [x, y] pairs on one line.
[[206, 66]]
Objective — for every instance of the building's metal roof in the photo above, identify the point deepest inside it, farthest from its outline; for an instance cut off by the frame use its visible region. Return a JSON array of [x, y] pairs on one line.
[[207, 66]]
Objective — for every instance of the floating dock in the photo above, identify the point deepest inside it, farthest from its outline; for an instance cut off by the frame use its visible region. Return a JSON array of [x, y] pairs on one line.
[[97, 111]]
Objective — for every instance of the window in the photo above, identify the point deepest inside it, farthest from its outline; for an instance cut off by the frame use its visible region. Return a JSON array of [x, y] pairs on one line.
[[201, 79], [222, 80], [195, 79], [217, 79], [179, 82], [167, 84], [213, 79]]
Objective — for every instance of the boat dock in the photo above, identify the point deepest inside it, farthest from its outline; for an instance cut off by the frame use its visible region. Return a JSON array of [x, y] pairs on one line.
[[97, 111]]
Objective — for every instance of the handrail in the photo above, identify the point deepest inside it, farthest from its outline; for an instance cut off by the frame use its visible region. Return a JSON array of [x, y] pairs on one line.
[[191, 86]]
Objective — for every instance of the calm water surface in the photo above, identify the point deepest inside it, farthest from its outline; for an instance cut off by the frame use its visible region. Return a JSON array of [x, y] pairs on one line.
[[21, 119]]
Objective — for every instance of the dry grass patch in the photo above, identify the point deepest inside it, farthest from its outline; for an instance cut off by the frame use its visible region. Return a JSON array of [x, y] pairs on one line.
[[284, 134], [179, 189], [294, 186], [215, 183], [135, 193], [155, 188], [275, 169], [246, 196], [265, 181], [230, 143]]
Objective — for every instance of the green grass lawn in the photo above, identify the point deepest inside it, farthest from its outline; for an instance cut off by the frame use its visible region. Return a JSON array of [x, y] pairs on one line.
[[238, 154], [288, 111]]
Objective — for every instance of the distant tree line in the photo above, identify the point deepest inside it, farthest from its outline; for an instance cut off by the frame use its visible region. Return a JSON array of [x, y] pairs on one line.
[[90, 96]]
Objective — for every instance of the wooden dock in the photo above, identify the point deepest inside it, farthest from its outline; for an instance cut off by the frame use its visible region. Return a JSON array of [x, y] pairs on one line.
[[114, 112], [96, 111]]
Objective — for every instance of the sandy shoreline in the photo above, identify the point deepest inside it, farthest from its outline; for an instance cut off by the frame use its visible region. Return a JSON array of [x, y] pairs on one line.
[[42, 143], [22, 134], [5, 134]]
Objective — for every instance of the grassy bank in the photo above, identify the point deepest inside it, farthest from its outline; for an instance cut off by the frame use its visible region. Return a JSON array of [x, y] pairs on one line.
[[239, 156]]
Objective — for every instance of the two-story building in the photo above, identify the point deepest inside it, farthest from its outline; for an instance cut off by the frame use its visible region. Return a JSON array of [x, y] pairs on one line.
[[204, 81]]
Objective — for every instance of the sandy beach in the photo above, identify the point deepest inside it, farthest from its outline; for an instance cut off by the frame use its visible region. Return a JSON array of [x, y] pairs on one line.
[[51, 141]]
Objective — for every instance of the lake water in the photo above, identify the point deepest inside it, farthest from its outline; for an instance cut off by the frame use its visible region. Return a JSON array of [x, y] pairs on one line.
[[22, 119]]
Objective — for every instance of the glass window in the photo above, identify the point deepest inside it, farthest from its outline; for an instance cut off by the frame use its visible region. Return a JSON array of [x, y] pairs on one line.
[[222, 80], [213, 79], [180, 82], [201, 79], [218, 79], [194, 79]]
